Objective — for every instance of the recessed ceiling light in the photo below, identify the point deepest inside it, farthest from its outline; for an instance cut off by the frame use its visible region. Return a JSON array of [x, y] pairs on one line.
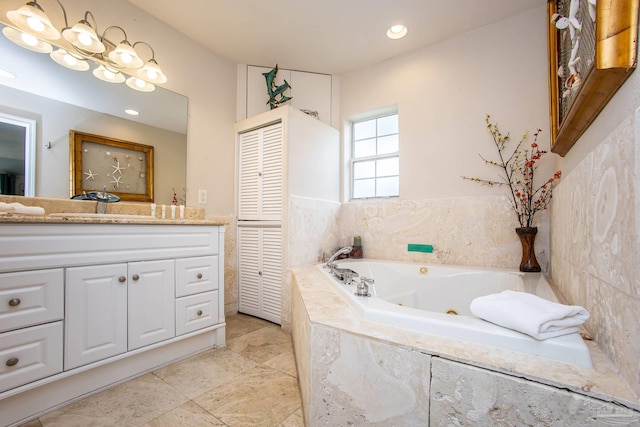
[[6, 74], [132, 112], [397, 32]]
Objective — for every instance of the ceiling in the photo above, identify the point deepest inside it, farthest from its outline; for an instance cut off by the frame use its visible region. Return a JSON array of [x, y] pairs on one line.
[[325, 36]]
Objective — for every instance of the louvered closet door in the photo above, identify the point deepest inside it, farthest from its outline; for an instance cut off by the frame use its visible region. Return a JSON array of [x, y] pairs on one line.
[[272, 173], [272, 274], [260, 272], [260, 174], [249, 286]]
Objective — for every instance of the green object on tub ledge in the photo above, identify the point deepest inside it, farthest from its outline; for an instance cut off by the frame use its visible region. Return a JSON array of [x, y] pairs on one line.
[[414, 247]]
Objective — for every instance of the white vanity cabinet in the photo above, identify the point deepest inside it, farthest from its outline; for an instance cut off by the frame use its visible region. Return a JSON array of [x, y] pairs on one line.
[[197, 290], [86, 305], [116, 308], [31, 312], [96, 314]]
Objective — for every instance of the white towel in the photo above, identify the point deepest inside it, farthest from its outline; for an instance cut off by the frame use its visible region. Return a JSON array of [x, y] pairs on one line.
[[529, 314], [18, 208]]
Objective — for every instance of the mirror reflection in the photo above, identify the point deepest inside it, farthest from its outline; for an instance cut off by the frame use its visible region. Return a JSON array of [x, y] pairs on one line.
[[58, 100]]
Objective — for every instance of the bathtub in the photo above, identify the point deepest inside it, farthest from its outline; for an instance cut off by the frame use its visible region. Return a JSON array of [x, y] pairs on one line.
[[435, 300]]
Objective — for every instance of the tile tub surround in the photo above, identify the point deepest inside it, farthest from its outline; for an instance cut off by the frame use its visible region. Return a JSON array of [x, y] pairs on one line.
[[474, 231], [596, 244], [326, 330]]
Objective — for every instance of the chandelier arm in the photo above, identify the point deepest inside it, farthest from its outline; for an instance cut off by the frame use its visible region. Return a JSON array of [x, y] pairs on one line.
[[64, 13], [153, 54], [104, 35], [93, 18]]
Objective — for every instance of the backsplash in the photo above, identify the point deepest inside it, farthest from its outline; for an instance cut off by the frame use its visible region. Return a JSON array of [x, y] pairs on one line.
[[472, 231], [594, 238]]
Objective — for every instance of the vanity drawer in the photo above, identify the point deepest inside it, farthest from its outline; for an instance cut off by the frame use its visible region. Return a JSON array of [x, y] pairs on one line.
[[30, 354], [195, 275], [196, 312], [30, 298]]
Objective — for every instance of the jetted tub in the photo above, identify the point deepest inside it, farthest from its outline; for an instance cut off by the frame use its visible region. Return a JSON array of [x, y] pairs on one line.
[[435, 299]]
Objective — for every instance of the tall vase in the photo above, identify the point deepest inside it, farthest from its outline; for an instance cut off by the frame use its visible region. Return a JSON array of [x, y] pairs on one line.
[[527, 236]]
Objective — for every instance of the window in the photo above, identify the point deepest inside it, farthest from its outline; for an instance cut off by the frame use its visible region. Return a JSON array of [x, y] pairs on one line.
[[375, 161]]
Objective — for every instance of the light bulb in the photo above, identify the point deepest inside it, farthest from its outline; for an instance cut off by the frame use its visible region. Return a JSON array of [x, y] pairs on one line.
[[140, 83], [70, 59], [35, 24], [85, 39], [29, 39], [108, 74], [152, 74], [126, 58]]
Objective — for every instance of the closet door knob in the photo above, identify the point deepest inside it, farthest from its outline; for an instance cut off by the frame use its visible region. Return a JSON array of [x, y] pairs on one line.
[[14, 302], [199, 275], [199, 312], [122, 279], [259, 173], [259, 273], [12, 362], [136, 277]]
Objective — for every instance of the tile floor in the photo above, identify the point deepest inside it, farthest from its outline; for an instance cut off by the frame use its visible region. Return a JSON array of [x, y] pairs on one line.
[[252, 381]]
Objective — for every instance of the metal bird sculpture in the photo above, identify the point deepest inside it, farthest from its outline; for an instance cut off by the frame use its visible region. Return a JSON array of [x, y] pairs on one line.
[[275, 91]]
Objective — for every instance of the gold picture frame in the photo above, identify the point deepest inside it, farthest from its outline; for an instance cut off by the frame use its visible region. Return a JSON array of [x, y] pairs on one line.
[[124, 168], [578, 96]]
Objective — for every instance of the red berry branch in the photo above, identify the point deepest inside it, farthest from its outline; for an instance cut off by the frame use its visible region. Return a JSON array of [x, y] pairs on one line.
[[517, 172]]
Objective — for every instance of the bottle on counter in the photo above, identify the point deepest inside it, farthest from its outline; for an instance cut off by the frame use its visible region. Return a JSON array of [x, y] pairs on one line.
[[356, 252]]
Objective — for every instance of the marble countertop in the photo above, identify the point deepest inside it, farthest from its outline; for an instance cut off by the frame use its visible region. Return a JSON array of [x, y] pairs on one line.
[[326, 306], [83, 212], [48, 219]]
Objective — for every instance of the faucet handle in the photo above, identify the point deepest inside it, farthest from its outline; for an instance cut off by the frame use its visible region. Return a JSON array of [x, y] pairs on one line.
[[362, 289]]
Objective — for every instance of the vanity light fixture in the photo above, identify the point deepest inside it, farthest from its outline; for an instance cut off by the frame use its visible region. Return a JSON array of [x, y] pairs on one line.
[[108, 74], [31, 18], [116, 62], [151, 71], [69, 60], [396, 32], [83, 37], [139, 84], [27, 40]]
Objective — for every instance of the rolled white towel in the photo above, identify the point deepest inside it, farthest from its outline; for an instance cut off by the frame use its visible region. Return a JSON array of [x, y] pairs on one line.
[[18, 208], [529, 314]]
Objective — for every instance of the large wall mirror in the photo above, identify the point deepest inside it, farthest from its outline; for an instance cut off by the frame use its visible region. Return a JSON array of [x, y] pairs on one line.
[[44, 101]]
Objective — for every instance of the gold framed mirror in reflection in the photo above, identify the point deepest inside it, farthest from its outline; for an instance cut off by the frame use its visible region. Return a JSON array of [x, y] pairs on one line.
[[120, 167]]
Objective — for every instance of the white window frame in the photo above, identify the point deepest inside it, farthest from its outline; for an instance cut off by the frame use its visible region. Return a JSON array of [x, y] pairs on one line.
[[353, 160]]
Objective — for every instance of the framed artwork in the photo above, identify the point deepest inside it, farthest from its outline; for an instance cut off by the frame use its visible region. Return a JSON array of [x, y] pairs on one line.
[[592, 51], [124, 168]]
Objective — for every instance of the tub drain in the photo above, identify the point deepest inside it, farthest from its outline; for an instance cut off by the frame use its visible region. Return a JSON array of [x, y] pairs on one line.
[[452, 311]]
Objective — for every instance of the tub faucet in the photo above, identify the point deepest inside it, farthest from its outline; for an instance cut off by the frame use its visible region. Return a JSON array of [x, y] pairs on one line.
[[331, 263]]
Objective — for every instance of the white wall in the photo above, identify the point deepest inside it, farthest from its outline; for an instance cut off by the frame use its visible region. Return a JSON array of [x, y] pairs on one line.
[[443, 93]]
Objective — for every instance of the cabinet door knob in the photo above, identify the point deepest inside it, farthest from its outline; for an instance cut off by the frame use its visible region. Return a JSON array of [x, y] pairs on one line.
[[259, 273], [259, 173], [199, 312], [122, 279], [14, 302], [13, 361], [199, 275], [136, 277]]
